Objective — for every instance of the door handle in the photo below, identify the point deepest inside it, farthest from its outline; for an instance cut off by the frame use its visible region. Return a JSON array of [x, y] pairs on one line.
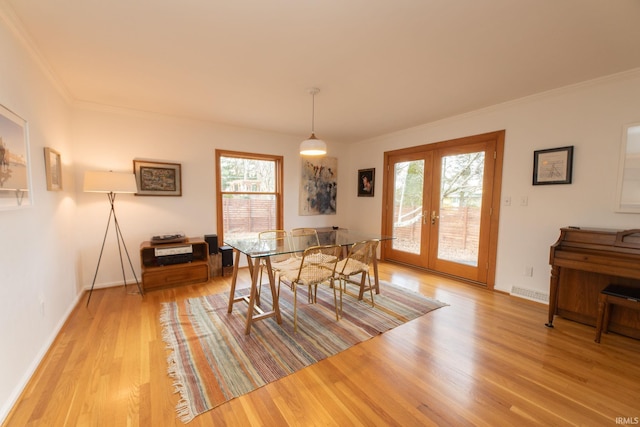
[[434, 217]]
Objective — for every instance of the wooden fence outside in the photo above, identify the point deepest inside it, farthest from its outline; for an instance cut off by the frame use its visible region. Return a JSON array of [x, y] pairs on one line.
[[459, 227]]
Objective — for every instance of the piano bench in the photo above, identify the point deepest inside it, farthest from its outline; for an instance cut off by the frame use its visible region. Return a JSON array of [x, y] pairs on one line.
[[625, 296]]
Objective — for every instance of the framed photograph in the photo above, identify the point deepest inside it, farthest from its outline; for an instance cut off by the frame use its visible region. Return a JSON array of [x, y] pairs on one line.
[[53, 169], [15, 183], [158, 179], [553, 166], [366, 181]]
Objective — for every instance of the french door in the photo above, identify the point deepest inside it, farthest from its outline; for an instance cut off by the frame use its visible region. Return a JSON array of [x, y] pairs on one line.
[[441, 206]]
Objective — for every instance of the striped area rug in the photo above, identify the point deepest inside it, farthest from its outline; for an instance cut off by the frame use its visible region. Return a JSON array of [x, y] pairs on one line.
[[212, 361]]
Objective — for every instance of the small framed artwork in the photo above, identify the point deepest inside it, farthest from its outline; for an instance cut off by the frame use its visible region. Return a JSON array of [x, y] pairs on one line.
[[53, 169], [366, 181], [553, 166], [157, 179], [15, 183]]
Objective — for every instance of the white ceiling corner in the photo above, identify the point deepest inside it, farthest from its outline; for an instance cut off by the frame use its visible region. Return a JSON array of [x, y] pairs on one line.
[[381, 66]]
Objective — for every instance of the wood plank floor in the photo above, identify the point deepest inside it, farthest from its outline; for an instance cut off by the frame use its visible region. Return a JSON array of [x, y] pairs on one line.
[[487, 359]]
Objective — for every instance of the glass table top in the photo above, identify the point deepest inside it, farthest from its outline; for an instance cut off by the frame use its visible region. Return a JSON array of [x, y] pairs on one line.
[[255, 247]]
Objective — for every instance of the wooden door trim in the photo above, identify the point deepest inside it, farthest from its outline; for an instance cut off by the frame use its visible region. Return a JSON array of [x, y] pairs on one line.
[[499, 138], [495, 208], [427, 156]]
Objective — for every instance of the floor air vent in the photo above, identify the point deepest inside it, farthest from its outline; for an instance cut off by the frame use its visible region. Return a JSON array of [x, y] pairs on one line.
[[530, 294]]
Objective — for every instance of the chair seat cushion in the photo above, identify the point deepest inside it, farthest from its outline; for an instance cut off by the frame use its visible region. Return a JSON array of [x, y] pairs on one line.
[[350, 266], [306, 276], [290, 263]]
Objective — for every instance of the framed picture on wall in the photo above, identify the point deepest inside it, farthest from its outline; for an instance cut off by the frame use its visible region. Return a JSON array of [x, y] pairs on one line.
[[15, 183], [158, 179], [53, 169], [553, 166], [318, 186], [366, 181]]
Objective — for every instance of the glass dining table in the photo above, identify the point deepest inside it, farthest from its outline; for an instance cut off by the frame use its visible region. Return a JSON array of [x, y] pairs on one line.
[[257, 251]]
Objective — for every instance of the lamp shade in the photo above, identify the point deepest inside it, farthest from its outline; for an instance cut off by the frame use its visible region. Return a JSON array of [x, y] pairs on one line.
[[109, 182], [313, 147]]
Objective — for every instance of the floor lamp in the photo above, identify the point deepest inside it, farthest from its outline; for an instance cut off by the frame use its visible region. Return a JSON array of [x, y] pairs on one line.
[[111, 183]]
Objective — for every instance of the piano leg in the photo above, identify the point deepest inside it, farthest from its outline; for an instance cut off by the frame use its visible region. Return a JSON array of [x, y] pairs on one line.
[[553, 294], [602, 313]]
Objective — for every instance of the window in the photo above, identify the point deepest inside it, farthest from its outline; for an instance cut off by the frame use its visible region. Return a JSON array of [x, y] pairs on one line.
[[248, 193]]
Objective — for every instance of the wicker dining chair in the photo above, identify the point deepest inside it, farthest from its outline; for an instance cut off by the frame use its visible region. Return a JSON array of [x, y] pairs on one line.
[[279, 239], [302, 238], [357, 262], [317, 266]]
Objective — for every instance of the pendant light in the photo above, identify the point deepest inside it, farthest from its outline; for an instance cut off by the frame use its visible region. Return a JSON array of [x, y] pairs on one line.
[[313, 146]]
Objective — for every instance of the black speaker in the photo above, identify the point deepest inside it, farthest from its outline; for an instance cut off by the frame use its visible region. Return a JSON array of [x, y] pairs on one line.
[[227, 256], [212, 241]]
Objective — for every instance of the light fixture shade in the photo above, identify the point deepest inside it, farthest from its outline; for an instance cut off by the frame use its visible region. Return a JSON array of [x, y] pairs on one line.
[[313, 147], [109, 182]]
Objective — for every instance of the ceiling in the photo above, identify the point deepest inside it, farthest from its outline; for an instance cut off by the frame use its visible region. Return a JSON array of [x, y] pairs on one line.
[[380, 65]]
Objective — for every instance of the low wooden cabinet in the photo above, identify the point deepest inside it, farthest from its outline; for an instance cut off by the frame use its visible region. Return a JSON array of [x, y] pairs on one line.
[[174, 264]]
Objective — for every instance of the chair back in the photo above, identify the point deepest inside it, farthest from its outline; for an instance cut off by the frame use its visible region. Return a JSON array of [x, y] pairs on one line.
[[303, 238], [278, 239], [360, 256], [318, 264], [372, 247]]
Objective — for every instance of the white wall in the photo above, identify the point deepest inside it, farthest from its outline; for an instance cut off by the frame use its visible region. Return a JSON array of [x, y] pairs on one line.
[[37, 247], [110, 140], [48, 251], [589, 116]]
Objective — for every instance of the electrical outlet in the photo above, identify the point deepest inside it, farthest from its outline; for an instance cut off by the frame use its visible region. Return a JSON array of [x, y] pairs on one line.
[[507, 201], [524, 200], [528, 271]]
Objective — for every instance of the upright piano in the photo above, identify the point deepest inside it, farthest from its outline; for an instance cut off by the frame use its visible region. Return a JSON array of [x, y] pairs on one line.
[[583, 262]]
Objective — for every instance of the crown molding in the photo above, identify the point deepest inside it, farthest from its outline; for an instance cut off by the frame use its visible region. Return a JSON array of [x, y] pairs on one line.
[[15, 26]]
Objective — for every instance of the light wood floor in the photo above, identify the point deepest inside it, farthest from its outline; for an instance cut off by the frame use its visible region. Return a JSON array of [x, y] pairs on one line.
[[487, 359]]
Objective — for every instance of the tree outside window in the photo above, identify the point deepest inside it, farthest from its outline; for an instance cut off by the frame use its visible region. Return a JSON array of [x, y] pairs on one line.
[[249, 193]]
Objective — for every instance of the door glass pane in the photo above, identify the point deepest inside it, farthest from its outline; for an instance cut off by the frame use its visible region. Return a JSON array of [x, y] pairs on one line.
[[460, 208], [407, 205]]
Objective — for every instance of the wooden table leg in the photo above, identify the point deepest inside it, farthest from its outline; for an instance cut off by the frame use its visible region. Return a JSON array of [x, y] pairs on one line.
[[252, 294], [274, 295], [254, 312], [375, 275], [234, 278]]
